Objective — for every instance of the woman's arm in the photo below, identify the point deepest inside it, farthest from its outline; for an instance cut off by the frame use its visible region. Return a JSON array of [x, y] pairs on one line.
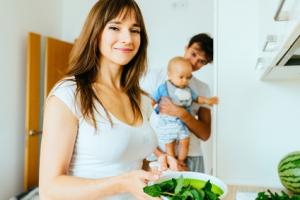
[[59, 135], [201, 127]]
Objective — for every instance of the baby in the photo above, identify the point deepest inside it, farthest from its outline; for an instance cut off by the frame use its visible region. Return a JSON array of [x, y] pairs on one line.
[[170, 129]]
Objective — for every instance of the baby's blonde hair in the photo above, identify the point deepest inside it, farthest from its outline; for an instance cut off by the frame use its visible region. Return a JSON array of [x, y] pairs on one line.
[[175, 60]]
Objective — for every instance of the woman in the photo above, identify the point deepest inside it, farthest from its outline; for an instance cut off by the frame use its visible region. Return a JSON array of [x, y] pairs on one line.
[[96, 131]]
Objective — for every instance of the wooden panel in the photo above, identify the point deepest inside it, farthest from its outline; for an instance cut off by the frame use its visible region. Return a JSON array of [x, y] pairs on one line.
[[32, 110], [56, 63], [57, 57]]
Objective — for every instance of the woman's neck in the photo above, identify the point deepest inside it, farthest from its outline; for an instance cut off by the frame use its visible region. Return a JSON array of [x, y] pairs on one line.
[[109, 74]]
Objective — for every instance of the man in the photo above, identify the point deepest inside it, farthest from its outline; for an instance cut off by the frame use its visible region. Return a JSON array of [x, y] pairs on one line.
[[199, 52]]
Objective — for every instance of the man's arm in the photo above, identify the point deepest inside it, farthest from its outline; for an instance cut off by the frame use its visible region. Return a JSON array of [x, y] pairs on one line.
[[201, 127]]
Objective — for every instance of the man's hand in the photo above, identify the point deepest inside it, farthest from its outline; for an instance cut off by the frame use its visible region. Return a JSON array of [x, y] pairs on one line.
[[166, 106]]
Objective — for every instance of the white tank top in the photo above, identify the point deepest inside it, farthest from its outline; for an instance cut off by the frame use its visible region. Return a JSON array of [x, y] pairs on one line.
[[111, 150]]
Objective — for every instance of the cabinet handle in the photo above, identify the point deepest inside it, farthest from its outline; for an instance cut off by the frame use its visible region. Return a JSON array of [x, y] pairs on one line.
[[33, 132], [270, 40], [278, 11]]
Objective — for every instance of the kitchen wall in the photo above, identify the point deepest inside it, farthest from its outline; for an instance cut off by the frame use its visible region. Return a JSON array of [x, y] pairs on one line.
[[17, 18], [168, 22], [170, 27], [257, 122]]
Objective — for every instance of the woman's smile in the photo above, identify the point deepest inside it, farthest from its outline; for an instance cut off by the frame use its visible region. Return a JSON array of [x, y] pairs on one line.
[[124, 49]]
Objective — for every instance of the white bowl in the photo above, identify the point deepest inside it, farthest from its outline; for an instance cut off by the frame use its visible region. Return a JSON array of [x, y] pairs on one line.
[[194, 175]]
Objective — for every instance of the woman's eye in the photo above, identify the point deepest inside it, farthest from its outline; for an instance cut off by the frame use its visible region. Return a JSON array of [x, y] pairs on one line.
[[114, 28], [135, 31]]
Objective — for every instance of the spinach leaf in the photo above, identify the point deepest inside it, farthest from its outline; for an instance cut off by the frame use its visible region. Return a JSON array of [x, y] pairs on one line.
[[207, 186], [179, 185], [153, 190], [210, 195], [196, 194], [168, 185]]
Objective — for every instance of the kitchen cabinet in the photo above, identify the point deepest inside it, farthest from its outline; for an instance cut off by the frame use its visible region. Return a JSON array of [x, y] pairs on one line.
[[279, 27]]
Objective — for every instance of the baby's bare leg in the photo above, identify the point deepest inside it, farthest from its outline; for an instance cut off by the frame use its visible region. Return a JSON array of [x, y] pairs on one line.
[[162, 159], [172, 161], [183, 149], [170, 148], [182, 153]]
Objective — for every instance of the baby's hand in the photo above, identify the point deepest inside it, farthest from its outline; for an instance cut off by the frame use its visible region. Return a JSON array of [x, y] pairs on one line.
[[213, 100]]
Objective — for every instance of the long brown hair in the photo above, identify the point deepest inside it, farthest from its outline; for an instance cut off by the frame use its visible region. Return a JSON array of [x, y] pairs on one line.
[[84, 58]]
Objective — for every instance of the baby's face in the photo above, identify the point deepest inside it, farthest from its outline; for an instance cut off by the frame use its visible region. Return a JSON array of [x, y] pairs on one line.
[[180, 74]]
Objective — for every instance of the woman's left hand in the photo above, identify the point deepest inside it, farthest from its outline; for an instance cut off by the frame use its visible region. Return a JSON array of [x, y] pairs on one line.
[[167, 107]]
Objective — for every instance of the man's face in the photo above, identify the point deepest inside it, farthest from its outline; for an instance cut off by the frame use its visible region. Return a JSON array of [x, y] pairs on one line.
[[196, 56]]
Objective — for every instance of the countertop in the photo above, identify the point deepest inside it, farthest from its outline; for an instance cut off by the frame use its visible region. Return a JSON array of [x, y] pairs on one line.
[[247, 192]]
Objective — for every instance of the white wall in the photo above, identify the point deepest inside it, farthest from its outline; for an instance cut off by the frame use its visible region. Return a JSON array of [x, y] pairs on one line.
[[258, 122], [73, 17], [17, 18], [169, 28]]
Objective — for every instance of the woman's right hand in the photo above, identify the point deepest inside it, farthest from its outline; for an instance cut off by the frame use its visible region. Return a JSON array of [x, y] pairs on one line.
[[135, 181]]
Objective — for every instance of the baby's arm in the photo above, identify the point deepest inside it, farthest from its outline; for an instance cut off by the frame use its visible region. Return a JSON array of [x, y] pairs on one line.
[[204, 100], [209, 101]]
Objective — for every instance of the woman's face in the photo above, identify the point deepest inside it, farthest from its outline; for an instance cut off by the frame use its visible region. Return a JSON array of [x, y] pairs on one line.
[[120, 40]]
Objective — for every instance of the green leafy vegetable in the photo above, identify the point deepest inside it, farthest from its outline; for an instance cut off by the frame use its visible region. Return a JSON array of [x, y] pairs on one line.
[[275, 196], [179, 185], [154, 190], [179, 189]]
